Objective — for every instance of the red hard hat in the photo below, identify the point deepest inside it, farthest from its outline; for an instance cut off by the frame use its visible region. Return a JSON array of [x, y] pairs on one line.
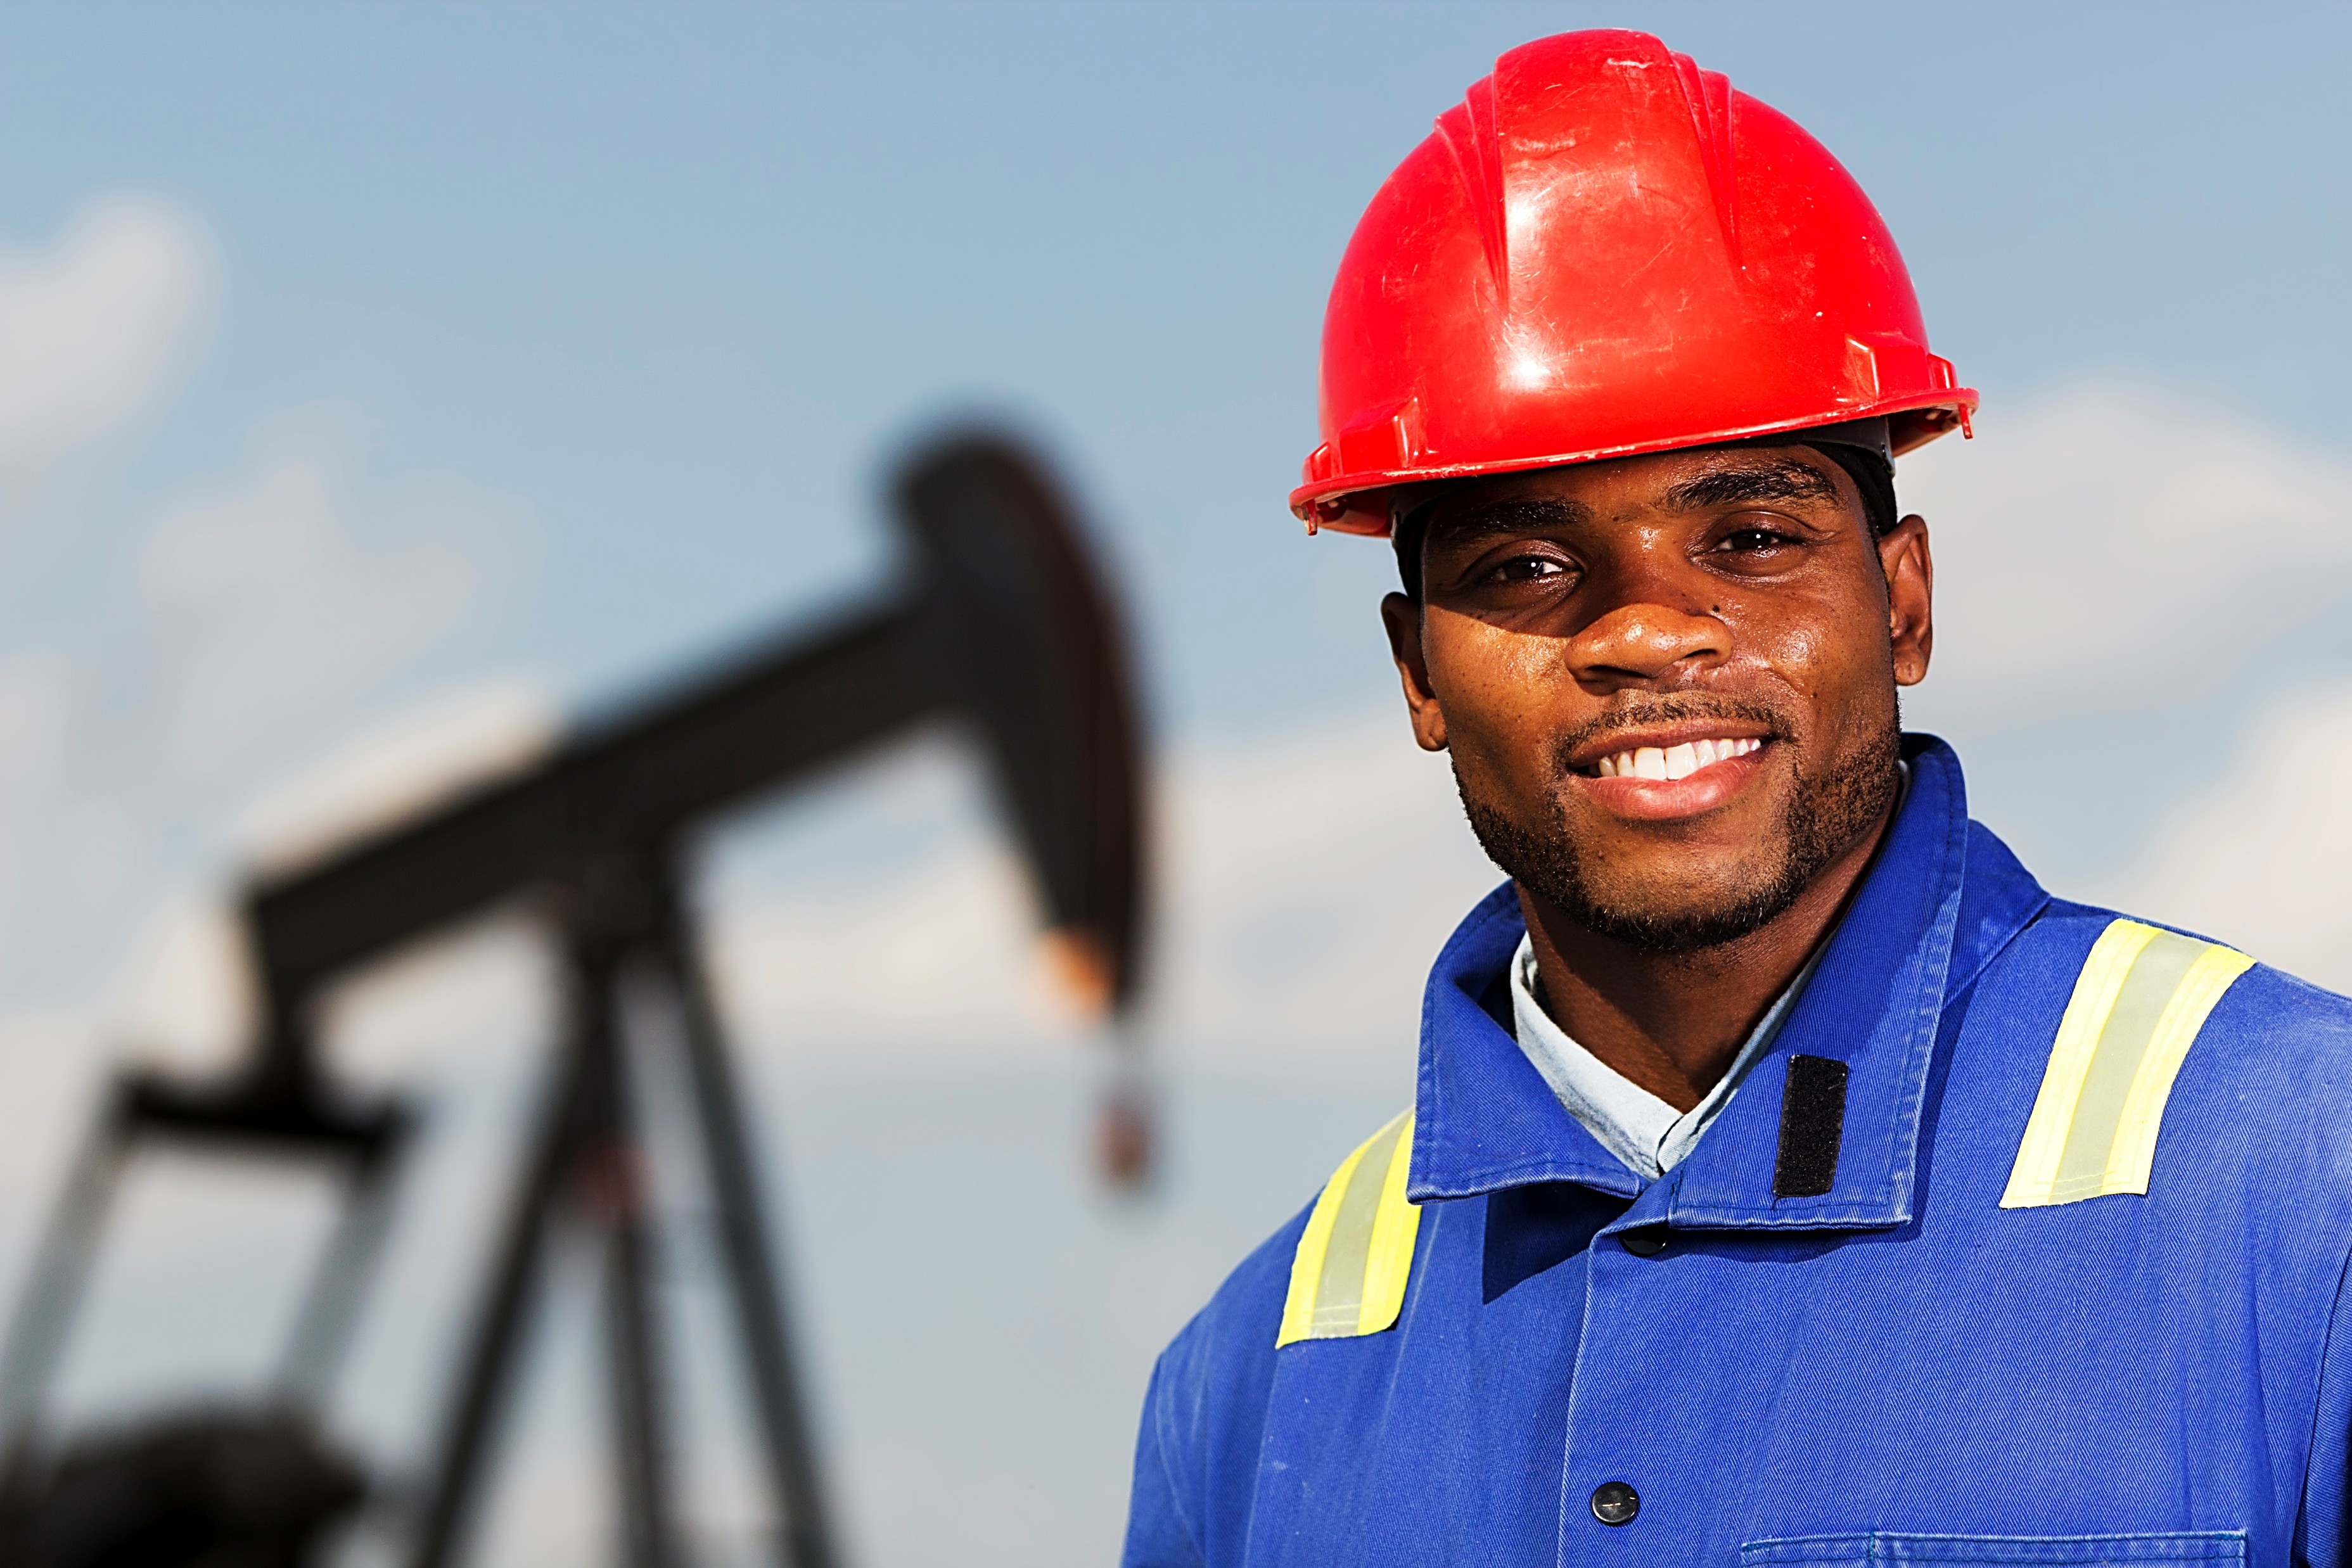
[[1605, 250]]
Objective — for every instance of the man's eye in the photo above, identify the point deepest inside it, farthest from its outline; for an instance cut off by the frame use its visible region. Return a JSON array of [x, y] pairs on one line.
[[1744, 541], [1526, 568]]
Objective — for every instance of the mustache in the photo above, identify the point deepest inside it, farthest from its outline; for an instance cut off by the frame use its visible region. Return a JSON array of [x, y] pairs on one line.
[[1642, 710]]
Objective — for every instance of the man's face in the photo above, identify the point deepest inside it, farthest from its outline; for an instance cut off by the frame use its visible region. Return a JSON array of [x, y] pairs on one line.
[[1667, 683]]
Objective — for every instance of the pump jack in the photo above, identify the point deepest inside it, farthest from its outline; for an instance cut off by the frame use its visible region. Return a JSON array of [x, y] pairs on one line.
[[1005, 629]]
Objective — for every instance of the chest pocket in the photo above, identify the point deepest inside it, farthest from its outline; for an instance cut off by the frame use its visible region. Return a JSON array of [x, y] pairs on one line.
[[2078, 1550]]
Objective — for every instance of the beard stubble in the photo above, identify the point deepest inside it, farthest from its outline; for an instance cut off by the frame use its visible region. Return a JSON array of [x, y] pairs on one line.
[[1824, 816]]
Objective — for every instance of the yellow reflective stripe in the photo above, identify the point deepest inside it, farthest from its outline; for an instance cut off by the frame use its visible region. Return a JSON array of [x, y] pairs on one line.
[[2141, 998], [1314, 1246], [1347, 1253], [2103, 976], [2163, 963], [1349, 1274], [2214, 971], [1387, 1263]]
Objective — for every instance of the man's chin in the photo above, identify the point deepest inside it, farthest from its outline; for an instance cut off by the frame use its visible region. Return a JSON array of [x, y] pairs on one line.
[[1655, 918]]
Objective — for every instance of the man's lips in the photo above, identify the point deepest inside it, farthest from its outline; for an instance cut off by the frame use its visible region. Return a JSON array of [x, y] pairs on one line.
[[1621, 744], [1683, 770]]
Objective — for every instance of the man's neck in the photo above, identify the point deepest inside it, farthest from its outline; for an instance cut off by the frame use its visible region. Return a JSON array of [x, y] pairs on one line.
[[1672, 1022]]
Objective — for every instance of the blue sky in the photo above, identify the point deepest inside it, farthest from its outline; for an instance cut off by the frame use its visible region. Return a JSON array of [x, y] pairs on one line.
[[671, 280], [376, 380]]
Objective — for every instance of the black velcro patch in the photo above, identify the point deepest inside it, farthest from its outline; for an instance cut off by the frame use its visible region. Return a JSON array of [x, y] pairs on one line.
[[1812, 1125]]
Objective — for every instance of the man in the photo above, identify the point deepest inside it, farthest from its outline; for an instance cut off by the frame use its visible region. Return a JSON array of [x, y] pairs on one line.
[[1791, 1179]]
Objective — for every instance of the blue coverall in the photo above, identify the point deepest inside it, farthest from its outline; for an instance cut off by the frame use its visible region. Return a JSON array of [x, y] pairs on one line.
[[2025, 1244]]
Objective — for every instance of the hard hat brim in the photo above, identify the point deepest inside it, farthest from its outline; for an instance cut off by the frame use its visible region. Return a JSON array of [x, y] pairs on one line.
[[1359, 503]]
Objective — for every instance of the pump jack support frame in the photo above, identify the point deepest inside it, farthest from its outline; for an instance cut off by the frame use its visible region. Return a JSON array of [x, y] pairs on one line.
[[1004, 628]]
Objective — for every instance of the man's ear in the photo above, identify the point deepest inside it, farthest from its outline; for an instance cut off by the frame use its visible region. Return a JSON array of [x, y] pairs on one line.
[[1910, 597], [1402, 616]]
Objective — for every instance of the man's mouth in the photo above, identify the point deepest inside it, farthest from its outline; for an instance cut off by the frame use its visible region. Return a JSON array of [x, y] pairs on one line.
[[1668, 763], [1673, 767]]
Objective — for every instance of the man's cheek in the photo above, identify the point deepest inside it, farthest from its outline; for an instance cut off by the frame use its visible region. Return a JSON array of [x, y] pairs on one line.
[[1499, 763]]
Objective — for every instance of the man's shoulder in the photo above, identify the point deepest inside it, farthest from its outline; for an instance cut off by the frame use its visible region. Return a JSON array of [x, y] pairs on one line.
[[1229, 1343], [2076, 952], [1338, 1268], [2180, 1041]]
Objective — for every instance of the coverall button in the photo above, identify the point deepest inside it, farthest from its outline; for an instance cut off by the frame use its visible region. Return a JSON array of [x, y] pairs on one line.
[[1614, 1502], [1647, 1242]]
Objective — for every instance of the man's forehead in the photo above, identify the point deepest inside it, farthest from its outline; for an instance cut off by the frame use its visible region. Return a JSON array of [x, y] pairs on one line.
[[1669, 481]]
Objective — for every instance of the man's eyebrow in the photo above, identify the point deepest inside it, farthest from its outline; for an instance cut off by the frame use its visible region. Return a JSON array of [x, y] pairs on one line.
[[1771, 479], [1521, 515]]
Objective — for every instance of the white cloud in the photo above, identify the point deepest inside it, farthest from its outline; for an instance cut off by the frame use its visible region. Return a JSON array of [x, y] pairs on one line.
[[112, 750], [937, 960], [2115, 539], [239, 619], [262, 596], [196, 641], [181, 998], [2259, 857], [1313, 881], [1309, 881], [397, 768], [93, 327]]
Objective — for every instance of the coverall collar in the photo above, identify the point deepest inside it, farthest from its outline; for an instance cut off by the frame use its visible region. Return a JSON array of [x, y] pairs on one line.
[[1485, 1119]]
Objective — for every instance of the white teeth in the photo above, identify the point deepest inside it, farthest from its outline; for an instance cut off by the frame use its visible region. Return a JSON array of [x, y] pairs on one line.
[[1674, 761]]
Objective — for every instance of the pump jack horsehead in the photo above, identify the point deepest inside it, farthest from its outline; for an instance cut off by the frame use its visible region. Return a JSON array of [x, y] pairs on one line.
[[1006, 631]]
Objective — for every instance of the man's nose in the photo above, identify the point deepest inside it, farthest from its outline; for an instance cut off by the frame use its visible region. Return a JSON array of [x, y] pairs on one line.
[[1644, 644]]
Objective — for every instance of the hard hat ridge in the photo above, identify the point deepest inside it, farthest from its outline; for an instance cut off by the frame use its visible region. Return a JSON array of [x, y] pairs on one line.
[[1605, 250], [1471, 137]]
